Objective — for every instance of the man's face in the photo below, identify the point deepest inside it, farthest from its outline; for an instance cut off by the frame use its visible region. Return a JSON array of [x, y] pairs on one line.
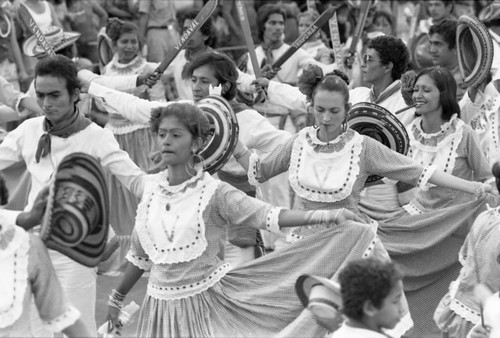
[[53, 97], [439, 10], [274, 28], [372, 68], [202, 78], [440, 52]]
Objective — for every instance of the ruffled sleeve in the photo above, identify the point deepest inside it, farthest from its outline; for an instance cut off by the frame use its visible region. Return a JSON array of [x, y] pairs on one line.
[[136, 254], [475, 157], [55, 311]]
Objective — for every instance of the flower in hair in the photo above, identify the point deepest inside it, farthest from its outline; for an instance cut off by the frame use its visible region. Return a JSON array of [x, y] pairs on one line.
[[309, 79], [407, 83], [113, 28]]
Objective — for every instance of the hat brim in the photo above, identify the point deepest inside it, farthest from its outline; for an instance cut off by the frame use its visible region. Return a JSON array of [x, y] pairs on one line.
[[476, 50], [76, 220], [372, 120], [419, 52], [305, 283], [32, 48], [225, 130]]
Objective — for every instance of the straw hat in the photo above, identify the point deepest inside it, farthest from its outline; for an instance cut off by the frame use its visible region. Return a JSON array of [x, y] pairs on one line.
[[490, 12], [476, 50], [320, 295], [56, 37], [219, 148], [76, 219]]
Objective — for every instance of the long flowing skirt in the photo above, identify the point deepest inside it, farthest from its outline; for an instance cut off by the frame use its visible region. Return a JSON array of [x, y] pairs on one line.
[[258, 298], [426, 247]]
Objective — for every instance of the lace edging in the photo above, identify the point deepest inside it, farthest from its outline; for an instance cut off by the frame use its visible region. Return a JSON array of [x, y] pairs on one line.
[[317, 195], [189, 290], [68, 318], [253, 161], [425, 176], [464, 311], [272, 220], [412, 209], [174, 256], [21, 243], [142, 263]]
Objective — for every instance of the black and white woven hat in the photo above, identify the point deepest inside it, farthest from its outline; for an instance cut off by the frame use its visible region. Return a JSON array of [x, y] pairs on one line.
[[224, 127], [76, 220], [372, 120], [475, 50]]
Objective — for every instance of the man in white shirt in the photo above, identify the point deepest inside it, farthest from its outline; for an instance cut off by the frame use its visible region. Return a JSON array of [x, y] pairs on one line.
[[42, 143]]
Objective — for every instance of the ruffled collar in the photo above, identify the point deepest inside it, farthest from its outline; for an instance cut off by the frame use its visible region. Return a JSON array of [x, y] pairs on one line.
[[168, 189], [311, 136], [433, 139], [126, 68]]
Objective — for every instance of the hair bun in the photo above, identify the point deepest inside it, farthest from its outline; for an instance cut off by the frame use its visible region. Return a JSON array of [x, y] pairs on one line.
[[310, 77], [113, 28]]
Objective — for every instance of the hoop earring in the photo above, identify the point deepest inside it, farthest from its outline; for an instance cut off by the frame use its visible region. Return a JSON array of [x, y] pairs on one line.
[[189, 166], [199, 160]]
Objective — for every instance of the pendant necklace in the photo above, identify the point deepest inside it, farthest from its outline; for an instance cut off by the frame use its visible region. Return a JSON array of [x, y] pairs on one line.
[[170, 235]]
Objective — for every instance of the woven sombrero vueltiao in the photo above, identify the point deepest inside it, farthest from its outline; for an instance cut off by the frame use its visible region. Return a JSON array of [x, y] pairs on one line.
[[224, 127], [372, 120], [475, 50], [320, 295], [56, 37], [76, 219]]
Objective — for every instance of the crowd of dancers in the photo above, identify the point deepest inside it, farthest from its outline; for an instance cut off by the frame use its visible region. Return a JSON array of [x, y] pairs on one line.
[[310, 228]]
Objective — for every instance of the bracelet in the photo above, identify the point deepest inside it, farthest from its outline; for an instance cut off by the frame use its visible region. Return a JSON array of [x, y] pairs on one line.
[[115, 303], [479, 190], [117, 295]]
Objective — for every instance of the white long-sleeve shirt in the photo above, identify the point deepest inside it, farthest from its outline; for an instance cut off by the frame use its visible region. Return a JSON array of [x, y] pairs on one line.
[[256, 132], [21, 144]]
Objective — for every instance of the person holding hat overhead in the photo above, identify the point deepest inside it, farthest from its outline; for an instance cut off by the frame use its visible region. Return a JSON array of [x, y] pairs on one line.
[[490, 16], [42, 143]]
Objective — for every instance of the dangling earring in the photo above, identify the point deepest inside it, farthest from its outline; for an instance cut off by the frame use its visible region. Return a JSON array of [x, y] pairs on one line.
[[344, 125]]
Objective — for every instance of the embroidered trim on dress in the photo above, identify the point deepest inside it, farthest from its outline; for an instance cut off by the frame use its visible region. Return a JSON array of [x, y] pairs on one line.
[[336, 145], [253, 162], [461, 309], [370, 247], [188, 290], [412, 209], [18, 248], [292, 237], [425, 176], [167, 253], [126, 68], [272, 220], [142, 263], [69, 317], [351, 143], [439, 148]]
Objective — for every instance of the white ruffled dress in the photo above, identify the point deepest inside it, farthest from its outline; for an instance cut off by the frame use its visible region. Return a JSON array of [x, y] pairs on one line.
[[179, 237]]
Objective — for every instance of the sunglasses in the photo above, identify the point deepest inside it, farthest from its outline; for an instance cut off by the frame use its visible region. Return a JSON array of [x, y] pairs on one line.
[[368, 59]]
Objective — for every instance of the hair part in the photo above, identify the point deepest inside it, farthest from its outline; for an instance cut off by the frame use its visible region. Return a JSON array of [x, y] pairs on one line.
[[224, 69], [366, 280], [312, 80], [394, 50], [447, 86]]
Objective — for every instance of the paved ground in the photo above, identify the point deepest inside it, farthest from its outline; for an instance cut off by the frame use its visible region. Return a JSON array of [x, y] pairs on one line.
[[104, 286]]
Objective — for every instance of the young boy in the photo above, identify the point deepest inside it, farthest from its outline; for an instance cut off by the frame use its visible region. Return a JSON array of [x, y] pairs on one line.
[[371, 298]]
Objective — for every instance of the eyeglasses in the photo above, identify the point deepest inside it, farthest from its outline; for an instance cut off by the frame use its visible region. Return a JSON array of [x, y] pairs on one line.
[[368, 59]]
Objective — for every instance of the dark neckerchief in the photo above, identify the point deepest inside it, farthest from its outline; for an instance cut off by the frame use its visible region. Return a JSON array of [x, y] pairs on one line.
[[268, 49], [67, 127]]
